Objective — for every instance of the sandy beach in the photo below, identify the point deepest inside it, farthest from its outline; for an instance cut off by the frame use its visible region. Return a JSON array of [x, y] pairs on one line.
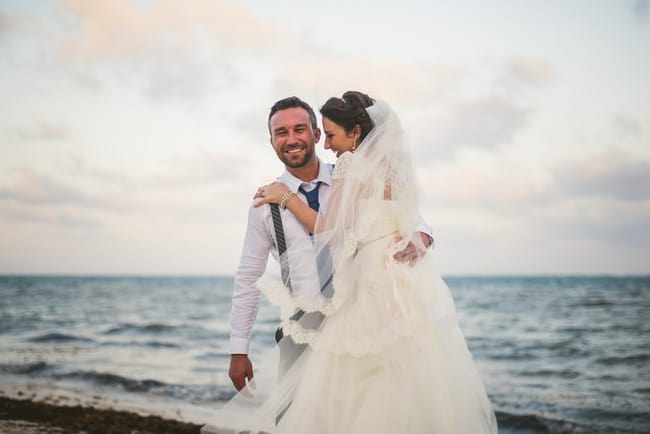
[[41, 407], [23, 416]]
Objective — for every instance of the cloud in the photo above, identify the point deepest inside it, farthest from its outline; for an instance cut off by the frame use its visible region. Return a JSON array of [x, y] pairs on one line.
[[25, 40], [183, 75], [75, 220], [210, 45], [16, 23], [205, 47], [122, 28], [601, 200], [485, 123], [518, 75], [535, 71], [76, 166], [611, 174], [327, 74], [36, 188], [200, 168], [5, 23], [84, 79], [641, 8], [627, 124], [440, 118], [614, 223], [188, 190], [498, 185], [43, 130], [175, 53]]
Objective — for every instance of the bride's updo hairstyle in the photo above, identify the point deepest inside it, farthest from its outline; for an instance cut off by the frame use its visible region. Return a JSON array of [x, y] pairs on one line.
[[349, 110]]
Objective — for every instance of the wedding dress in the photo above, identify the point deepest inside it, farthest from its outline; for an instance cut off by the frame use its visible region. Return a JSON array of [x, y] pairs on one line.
[[389, 356]]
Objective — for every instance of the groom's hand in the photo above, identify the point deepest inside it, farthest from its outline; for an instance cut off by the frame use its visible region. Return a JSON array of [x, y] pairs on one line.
[[241, 369]]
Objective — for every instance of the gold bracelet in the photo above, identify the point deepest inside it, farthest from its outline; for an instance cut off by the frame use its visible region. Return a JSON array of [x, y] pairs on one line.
[[283, 202]]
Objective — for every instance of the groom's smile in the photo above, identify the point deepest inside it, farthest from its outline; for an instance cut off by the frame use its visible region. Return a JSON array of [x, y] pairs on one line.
[[296, 156], [294, 150], [293, 137]]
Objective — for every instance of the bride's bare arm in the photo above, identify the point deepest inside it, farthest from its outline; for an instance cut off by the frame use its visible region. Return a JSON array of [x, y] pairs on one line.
[[305, 215], [275, 192]]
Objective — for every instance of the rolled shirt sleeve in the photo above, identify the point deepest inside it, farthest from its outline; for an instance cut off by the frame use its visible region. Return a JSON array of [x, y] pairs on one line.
[[425, 228]]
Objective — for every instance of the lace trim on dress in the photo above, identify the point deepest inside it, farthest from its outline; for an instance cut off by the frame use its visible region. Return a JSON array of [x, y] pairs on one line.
[[361, 346]]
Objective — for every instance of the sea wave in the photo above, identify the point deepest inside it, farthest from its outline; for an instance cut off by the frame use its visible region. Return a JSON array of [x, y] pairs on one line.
[[60, 338], [141, 328], [161, 328], [514, 423], [25, 368], [104, 378], [188, 392], [191, 393], [561, 373], [148, 344], [641, 358]]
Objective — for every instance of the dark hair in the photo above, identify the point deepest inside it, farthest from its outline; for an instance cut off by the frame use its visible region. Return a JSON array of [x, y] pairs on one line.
[[291, 102], [349, 110]]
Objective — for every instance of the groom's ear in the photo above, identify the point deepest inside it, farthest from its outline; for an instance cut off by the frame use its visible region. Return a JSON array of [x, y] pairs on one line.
[[316, 135]]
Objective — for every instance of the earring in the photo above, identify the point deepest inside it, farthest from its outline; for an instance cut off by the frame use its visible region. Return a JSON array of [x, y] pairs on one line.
[[354, 145]]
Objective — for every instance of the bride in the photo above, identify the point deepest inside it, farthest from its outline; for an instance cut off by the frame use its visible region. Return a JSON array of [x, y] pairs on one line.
[[388, 355]]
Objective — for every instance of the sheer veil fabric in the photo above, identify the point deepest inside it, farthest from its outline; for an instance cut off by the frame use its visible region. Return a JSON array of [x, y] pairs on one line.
[[385, 353]]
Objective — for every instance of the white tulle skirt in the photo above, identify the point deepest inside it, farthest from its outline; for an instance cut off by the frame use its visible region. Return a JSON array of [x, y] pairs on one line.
[[391, 359]]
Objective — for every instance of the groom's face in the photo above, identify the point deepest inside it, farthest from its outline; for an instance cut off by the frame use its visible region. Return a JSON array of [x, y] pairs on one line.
[[292, 136]]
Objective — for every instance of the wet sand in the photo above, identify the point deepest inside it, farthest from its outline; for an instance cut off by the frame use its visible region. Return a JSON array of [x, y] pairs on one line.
[[26, 416], [33, 405]]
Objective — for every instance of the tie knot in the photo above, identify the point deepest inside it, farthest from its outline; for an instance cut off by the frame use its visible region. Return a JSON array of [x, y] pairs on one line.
[[312, 196]]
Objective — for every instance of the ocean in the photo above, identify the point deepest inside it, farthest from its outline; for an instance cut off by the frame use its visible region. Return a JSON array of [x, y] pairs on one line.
[[558, 354]]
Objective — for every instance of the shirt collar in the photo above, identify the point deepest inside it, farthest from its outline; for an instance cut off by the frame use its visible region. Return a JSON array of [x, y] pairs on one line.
[[324, 176]]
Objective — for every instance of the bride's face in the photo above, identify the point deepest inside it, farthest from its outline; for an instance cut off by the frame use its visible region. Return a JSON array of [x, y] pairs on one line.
[[337, 139]]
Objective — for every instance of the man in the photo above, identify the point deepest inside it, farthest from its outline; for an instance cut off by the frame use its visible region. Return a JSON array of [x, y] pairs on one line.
[[293, 135]]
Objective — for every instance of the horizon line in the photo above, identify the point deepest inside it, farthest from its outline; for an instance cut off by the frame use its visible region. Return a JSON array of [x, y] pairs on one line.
[[229, 276]]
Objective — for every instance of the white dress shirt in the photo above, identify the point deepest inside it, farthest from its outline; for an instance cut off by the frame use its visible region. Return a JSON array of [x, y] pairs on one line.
[[260, 240]]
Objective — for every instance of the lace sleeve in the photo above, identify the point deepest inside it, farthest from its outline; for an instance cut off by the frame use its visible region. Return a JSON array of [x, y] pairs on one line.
[[342, 166]]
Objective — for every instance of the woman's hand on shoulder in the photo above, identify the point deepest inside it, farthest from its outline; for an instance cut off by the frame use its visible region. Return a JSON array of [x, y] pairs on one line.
[[270, 193]]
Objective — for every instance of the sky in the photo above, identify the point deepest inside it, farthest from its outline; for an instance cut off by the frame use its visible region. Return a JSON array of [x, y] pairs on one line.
[[133, 133]]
